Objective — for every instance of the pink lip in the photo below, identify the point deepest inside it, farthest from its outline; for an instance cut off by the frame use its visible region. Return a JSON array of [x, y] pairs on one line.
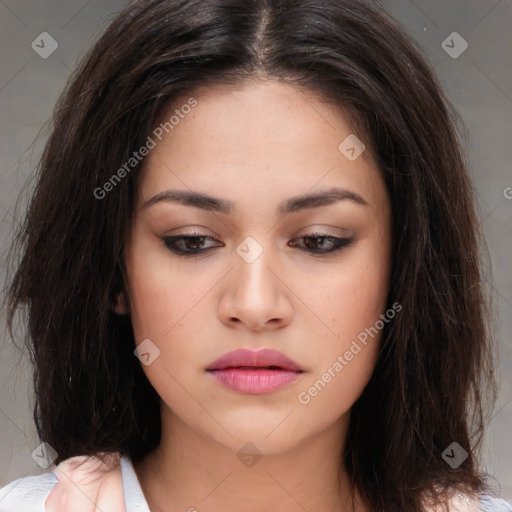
[[255, 372]]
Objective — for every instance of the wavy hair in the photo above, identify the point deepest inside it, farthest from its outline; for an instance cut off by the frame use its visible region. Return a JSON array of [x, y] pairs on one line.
[[435, 362]]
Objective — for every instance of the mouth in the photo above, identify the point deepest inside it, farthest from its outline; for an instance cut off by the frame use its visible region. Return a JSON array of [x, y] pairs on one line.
[[265, 358], [255, 372], [251, 368]]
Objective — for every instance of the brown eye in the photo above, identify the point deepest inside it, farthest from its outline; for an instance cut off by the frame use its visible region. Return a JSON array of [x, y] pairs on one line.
[[324, 244], [187, 245]]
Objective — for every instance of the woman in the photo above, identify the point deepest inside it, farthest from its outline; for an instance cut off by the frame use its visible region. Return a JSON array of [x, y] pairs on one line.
[[251, 270]]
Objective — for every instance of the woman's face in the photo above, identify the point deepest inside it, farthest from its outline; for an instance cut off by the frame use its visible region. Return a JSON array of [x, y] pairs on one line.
[[252, 279]]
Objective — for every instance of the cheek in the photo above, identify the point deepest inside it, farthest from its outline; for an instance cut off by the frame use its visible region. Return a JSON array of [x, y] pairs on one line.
[[351, 296], [166, 309], [351, 306], [162, 295], [333, 390]]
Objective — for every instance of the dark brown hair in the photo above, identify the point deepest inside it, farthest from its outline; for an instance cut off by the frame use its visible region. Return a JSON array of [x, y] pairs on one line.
[[435, 362]]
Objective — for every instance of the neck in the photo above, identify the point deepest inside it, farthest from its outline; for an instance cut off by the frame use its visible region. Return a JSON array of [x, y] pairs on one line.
[[192, 472]]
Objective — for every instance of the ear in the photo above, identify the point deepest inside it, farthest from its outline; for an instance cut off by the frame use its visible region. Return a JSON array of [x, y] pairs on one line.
[[121, 308]]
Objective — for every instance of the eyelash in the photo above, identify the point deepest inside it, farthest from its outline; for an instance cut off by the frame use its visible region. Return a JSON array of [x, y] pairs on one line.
[[339, 243]]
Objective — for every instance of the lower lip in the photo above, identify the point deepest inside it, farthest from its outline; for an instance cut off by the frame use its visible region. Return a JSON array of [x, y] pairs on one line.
[[255, 381]]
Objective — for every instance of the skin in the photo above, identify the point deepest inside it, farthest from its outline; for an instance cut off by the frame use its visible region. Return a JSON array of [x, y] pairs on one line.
[[87, 484], [256, 145]]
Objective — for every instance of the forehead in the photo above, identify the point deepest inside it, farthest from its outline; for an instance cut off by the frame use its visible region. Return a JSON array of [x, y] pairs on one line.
[[260, 136]]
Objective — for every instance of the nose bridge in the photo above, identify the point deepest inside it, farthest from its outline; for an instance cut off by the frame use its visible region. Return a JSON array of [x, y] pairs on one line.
[[252, 269], [255, 295]]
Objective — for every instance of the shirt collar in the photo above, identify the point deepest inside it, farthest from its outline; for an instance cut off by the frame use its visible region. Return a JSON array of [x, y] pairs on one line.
[[133, 496]]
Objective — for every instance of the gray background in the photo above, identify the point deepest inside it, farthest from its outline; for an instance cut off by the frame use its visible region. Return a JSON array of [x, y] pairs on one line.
[[478, 82]]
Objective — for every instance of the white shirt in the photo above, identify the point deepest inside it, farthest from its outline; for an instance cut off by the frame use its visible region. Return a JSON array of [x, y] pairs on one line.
[[28, 494]]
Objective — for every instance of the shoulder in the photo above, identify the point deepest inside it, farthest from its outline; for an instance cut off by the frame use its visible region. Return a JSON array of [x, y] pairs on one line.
[[490, 504], [86, 483], [460, 502], [28, 493]]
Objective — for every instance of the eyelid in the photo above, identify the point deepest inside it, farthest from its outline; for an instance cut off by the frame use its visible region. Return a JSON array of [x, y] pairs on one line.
[[326, 231], [195, 231]]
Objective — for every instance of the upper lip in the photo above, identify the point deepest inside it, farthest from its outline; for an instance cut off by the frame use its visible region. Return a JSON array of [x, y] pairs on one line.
[[262, 358]]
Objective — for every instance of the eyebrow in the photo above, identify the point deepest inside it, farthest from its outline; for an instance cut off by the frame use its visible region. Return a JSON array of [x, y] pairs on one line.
[[294, 204]]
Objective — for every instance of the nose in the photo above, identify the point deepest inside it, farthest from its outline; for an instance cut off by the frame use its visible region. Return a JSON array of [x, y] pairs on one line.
[[256, 294]]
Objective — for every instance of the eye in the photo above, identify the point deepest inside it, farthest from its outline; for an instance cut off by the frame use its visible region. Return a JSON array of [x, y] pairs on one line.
[[187, 245], [318, 243], [315, 243]]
